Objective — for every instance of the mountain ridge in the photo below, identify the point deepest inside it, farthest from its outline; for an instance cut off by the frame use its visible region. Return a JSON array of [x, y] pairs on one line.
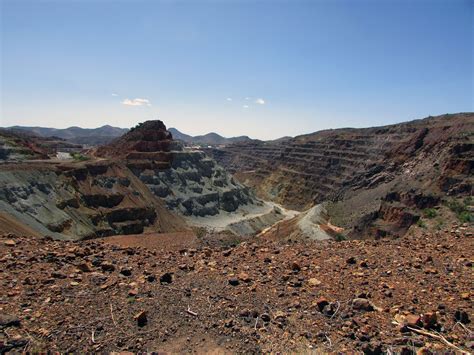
[[75, 134], [211, 138], [106, 133]]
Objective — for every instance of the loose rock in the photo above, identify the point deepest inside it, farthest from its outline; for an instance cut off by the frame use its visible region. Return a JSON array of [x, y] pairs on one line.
[[141, 318], [166, 278], [8, 320], [362, 304]]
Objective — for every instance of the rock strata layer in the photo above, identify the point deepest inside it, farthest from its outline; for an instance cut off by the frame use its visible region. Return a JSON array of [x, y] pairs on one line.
[[190, 182], [376, 179]]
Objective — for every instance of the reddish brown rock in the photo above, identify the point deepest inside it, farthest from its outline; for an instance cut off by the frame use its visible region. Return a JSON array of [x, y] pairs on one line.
[[429, 320], [413, 320]]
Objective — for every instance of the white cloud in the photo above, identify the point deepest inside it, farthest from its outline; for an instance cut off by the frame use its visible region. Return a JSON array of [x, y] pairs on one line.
[[229, 99], [136, 102], [245, 106], [247, 98], [114, 94], [260, 101]]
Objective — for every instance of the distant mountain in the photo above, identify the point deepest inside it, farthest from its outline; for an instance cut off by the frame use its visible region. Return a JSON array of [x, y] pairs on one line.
[[105, 134], [180, 135], [207, 139], [89, 136], [21, 144], [281, 139]]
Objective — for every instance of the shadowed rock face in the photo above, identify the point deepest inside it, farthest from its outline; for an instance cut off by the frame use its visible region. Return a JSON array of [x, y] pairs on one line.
[[81, 201], [355, 169], [196, 186], [190, 182], [94, 199], [125, 193]]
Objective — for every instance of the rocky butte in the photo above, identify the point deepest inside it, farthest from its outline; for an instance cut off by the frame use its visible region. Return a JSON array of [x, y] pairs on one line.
[[347, 240]]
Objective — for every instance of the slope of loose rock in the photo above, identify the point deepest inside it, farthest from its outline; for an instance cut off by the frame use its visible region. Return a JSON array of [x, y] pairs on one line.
[[396, 296]]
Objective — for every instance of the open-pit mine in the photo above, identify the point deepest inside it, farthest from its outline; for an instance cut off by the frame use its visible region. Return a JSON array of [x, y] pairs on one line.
[[335, 241]]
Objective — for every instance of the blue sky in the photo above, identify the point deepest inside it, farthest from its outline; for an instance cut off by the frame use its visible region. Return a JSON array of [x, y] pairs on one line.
[[261, 68]]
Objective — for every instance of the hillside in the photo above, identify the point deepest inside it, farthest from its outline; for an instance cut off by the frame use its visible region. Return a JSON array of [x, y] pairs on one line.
[[373, 181], [87, 198], [105, 134], [23, 145], [207, 139], [88, 136]]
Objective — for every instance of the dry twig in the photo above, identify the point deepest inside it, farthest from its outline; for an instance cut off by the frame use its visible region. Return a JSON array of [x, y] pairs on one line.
[[337, 310], [112, 315], [463, 326], [437, 336], [329, 340], [191, 312], [434, 336]]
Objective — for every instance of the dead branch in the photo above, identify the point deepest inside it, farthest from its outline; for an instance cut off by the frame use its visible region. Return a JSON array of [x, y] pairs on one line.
[[437, 336], [434, 336], [329, 340], [112, 315], [463, 326], [191, 312], [337, 310]]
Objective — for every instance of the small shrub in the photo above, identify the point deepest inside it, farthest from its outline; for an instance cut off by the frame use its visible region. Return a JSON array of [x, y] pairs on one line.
[[430, 213], [78, 156], [339, 237], [465, 217], [136, 127], [468, 201], [231, 242], [421, 223], [461, 209], [439, 224], [200, 232], [455, 206]]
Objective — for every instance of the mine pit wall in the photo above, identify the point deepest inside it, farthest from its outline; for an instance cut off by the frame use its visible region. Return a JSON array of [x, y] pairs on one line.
[[355, 170], [301, 172], [195, 185], [104, 198], [81, 201]]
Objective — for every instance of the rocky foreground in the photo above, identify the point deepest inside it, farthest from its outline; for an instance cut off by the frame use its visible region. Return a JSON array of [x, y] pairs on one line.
[[403, 295]]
